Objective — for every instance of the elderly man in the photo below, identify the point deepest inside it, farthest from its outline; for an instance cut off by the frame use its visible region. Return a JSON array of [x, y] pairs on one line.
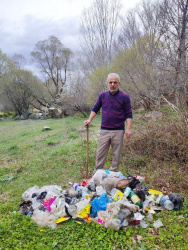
[[116, 108]]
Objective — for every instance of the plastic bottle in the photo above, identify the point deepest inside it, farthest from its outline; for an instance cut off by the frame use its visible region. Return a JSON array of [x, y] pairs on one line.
[[135, 199], [166, 203], [127, 191], [140, 178], [116, 194], [74, 185], [146, 206]]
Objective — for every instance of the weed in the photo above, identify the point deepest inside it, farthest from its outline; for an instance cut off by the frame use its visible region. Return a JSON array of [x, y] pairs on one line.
[[73, 136]]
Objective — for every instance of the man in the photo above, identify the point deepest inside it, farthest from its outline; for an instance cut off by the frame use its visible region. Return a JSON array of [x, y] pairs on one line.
[[116, 108]]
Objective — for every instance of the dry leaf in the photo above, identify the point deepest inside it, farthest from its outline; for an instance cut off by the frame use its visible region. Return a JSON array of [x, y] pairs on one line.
[[139, 237]]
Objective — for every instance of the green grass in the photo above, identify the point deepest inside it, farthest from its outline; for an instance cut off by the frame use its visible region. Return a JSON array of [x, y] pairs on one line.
[[30, 156]]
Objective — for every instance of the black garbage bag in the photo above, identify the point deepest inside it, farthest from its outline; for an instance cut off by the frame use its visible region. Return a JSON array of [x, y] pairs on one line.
[[176, 200], [141, 187], [133, 182], [26, 207]]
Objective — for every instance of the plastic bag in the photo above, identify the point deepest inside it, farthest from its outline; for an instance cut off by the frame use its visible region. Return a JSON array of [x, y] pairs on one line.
[[176, 200], [100, 190], [43, 219], [157, 223], [27, 195], [98, 205], [123, 213], [98, 176], [114, 224], [103, 216], [143, 224], [115, 174], [84, 213], [126, 204], [113, 208]]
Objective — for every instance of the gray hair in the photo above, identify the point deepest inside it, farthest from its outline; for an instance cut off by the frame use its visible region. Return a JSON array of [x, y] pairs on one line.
[[113, 75]]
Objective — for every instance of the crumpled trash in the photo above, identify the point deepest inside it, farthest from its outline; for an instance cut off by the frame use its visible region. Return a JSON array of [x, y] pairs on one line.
[[114, 224], [99, 175], [158, 223], [48, 202], [113, 208], [176, 200], [103, 216], [143, 223], [115, 174], [138, 216], [44, 218], [35, 191], [26, 207], [100, 190], [124, 203]]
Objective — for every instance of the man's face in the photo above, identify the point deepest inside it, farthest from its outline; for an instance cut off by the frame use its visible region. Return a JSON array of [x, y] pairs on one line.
[[113, 85]]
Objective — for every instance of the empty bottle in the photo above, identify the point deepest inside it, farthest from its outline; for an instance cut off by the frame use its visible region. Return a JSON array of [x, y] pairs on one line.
[[127, 191], [135, 199], [140, 178], [74, 185], [166, 203]]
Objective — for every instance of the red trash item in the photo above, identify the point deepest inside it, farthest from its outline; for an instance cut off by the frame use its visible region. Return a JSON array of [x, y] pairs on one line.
[[85, 182]]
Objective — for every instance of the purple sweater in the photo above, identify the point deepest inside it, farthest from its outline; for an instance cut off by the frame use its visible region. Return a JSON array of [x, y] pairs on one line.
[[115, 109]]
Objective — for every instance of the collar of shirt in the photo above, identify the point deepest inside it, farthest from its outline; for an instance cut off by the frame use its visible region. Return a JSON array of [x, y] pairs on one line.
[[115, 93]]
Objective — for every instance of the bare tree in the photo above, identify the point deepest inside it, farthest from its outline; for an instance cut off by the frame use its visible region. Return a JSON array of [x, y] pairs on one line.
[[99, 29], [19, 61], [53, 60], [175, 18]]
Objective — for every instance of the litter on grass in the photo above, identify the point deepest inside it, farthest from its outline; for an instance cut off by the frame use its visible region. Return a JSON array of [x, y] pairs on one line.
[[108, 198]]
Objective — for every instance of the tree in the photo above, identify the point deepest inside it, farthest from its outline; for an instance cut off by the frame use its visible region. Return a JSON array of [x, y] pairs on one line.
[[97, 83], [53, 60], [19, 61], [175, 19], [4, 63], [99, 29], [20, 90]]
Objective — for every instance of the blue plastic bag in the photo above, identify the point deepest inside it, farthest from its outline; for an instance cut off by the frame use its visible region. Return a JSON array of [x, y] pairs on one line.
[[98, 205]]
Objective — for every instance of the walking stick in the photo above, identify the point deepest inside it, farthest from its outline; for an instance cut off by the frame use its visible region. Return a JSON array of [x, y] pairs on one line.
[[87, 150]]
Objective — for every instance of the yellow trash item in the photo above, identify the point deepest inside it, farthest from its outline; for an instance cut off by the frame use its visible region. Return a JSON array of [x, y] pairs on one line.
[[84, 214], [62, 219], [152, 191], [118, 195]]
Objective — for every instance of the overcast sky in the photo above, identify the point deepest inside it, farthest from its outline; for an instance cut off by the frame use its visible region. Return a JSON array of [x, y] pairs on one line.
[[25, 22]]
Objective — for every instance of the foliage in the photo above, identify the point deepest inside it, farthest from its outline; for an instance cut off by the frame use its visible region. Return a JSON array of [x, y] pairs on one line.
[[97, 83]]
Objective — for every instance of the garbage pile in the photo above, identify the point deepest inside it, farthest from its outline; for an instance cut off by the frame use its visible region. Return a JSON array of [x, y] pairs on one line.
[[108, 198]]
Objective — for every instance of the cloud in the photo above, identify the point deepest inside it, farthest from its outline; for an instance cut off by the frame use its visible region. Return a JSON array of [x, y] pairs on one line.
[[34, 30]]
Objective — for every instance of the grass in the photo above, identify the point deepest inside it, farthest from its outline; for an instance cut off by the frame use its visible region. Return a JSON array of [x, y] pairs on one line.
[[30, 156]]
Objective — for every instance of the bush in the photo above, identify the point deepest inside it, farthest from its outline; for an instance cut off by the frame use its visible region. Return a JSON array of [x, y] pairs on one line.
[[168, 142]]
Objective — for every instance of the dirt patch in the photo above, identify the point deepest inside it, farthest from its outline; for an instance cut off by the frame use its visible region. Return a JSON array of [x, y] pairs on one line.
[[53, 144]]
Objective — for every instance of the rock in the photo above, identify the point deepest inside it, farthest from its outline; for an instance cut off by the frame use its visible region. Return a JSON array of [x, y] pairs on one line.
[[55, 112], [46, 128], [26, 114]]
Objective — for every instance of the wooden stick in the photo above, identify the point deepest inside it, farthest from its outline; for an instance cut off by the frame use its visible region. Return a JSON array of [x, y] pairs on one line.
[[87, 151]]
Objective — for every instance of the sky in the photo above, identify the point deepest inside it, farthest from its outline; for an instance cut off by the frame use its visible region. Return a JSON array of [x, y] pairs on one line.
[[25, 22]]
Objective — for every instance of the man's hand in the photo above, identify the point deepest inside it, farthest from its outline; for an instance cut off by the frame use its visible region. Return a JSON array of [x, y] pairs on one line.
[[87, 122], [127, 133]]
